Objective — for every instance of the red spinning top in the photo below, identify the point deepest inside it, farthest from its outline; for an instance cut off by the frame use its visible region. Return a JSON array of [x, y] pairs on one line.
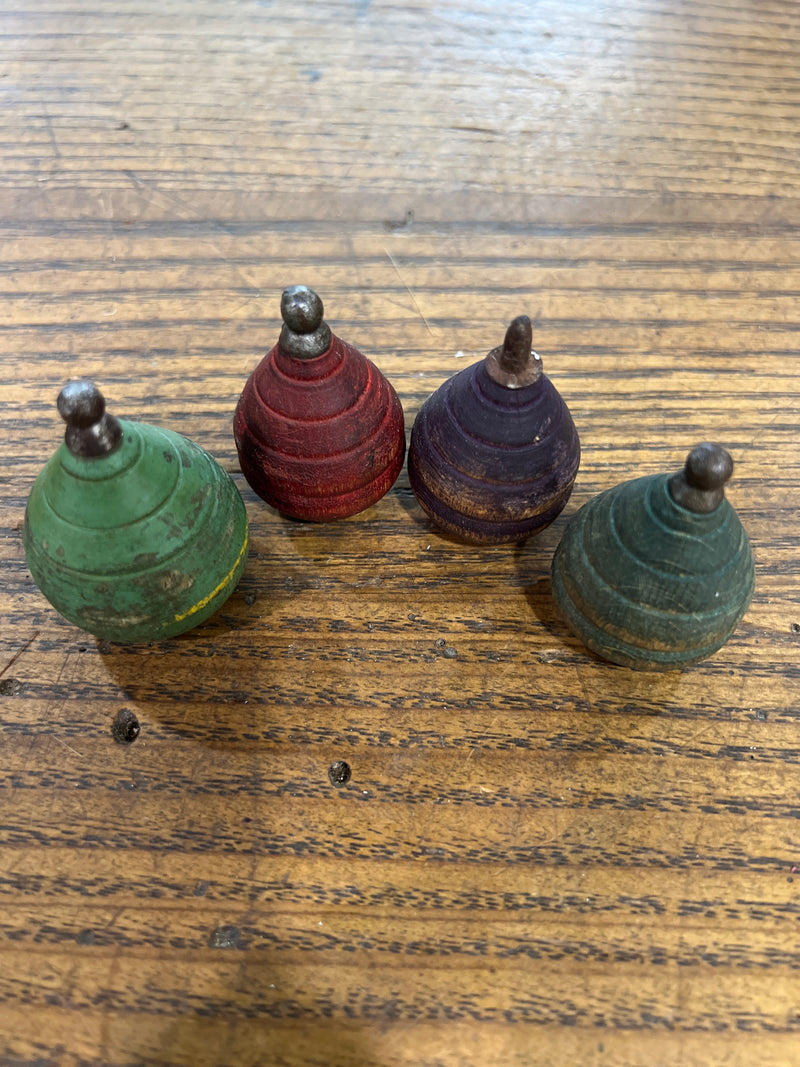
[[319, 430]]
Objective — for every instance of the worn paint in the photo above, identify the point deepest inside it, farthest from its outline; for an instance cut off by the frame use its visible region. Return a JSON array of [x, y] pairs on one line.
[[138, 544], [491, 464], [321, 435], [646, 583]]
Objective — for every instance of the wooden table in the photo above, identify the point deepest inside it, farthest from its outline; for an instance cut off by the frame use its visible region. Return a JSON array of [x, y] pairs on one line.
[[539, 859]]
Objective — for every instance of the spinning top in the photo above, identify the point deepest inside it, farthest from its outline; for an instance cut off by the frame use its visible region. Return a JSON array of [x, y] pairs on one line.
[[132, 532], [657, 572], [319, 430], [494, 451]]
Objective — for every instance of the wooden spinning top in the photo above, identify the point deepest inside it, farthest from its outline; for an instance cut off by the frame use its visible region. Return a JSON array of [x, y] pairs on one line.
[[132, 532], [319, 430], [657, 572], [494, 451]]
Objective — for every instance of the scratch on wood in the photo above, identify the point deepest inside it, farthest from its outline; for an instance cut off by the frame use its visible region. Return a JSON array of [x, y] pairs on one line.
[[400, 276], [582, 684], [64, 743], [16, 655]]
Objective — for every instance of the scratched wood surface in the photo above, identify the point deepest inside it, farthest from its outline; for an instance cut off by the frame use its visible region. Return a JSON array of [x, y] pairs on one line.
[[539, 859]]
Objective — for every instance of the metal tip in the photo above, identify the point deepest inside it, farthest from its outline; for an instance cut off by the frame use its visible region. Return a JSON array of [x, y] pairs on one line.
[[515, 364], [700, 486], [81, 404], [301, 309], [304, 334], [708, 467], [516, 351], [91, 431]]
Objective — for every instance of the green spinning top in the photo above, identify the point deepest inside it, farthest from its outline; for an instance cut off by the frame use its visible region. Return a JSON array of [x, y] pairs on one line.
[[657, 572], [132, 532]]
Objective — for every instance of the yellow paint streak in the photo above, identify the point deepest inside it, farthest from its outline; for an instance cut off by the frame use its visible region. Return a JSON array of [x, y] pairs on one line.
[[225, 581]]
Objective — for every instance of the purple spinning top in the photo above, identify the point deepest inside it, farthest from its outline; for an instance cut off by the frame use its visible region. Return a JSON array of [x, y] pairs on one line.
[[494, 451]]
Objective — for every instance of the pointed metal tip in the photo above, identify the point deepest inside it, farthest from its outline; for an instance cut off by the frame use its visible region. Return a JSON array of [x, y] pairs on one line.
[[515, 354], [514, 364]]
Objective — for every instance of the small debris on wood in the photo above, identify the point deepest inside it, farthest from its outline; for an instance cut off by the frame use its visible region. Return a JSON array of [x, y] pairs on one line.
[[339, 772], [125, 728]]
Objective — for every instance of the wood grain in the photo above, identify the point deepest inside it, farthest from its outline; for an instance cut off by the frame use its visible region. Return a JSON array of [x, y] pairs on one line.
[[539, 859]]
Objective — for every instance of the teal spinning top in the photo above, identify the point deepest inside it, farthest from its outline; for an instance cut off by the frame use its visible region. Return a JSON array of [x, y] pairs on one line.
[[656, 573]]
